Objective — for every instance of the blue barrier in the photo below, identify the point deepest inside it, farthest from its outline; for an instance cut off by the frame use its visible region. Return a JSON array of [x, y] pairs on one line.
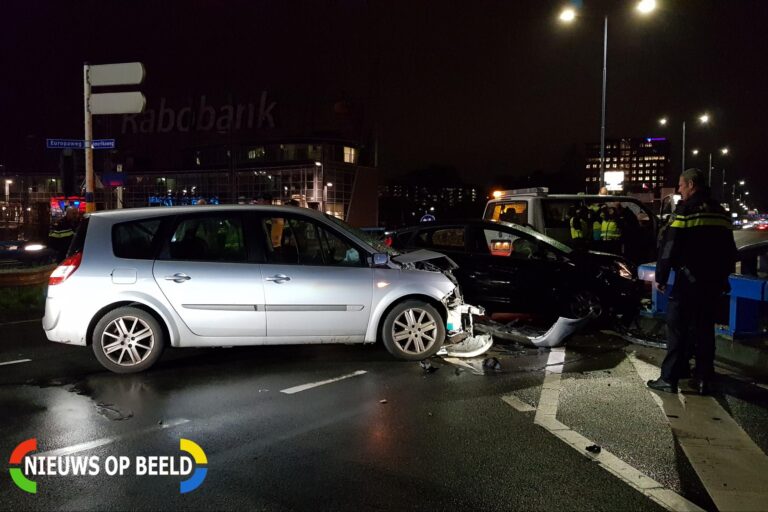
[[746, 294]]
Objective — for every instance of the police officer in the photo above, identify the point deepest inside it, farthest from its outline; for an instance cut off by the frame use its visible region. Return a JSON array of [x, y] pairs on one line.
[[62, 232], [698, 244]]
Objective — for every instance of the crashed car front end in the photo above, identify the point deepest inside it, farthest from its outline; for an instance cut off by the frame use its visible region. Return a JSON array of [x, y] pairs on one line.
[[461, 339]]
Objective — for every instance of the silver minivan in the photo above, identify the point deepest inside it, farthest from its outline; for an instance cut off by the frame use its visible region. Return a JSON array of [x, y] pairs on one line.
[[138, 280]]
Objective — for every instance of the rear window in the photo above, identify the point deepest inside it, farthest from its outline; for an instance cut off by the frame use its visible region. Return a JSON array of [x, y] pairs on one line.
[[78, 241], [135, 240], [515, 212]]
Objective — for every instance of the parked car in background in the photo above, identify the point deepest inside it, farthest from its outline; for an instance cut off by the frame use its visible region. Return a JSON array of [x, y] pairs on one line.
[[138, 280], [549, 214], [508, 268]]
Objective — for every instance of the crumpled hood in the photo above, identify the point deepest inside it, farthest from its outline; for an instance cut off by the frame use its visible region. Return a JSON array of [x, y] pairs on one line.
[[424, 255]]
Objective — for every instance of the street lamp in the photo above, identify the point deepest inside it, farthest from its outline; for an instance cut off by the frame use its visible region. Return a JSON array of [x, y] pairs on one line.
[[703, 119], [568, 15], [695, 152]]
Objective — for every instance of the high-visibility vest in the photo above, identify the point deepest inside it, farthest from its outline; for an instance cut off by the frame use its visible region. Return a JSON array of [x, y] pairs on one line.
[[579, 228], [609, 230]]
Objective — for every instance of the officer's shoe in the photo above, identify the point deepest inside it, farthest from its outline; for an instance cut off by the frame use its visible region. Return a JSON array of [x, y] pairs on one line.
[[662, 385], [701, 386]]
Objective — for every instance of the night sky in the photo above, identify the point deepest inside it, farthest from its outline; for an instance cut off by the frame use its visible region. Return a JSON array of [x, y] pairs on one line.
[[488, 87]]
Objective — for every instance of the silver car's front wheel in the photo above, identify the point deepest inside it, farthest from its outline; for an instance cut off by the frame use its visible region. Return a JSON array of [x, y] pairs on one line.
[[127, 340], [413, 330]]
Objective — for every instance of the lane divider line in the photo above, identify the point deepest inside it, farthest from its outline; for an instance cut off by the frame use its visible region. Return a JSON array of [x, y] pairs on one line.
[[546, 417], [304, 387], [76, 448], [15, 362], [731, 466]]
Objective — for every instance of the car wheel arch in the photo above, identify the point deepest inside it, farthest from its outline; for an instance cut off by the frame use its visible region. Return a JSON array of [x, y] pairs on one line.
[[129, 303], [439, 306]]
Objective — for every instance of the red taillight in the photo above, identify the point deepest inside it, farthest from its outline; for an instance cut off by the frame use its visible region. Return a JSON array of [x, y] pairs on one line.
[[65, 269], [388, 241]]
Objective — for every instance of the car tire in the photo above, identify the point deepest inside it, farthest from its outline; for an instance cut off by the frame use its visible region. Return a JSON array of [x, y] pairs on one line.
[[413, 330], [580, 303], [128, 340]]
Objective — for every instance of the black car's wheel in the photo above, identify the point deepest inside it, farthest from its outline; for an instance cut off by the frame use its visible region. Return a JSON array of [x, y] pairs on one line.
[[127, 340], [584, 303], [413, 330]]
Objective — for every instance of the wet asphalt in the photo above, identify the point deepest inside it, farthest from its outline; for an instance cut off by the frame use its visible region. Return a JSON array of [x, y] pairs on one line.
[[395, 437]]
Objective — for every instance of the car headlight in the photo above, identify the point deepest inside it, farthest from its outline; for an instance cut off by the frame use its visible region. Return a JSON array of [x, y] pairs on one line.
[[624, 270]]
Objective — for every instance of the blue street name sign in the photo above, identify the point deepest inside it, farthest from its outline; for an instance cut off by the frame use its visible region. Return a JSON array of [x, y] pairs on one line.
[[64, 144], [103, 144], [79, 144]]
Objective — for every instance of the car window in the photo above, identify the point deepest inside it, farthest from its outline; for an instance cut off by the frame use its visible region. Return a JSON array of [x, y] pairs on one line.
[[515, 212], [446, 238], [297, 241], [509, 244], [134, 239], [208, 238]]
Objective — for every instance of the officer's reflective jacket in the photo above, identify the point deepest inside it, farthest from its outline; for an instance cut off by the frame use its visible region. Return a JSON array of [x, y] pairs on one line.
[[580, 229], [698, 243]]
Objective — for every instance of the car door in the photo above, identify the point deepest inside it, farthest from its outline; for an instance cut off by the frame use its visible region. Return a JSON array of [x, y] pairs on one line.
[[316, 282], [511, 271], [205, 272]]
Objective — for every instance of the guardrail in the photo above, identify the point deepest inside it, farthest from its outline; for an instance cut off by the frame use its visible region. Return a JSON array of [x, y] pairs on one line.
[[747, 294]]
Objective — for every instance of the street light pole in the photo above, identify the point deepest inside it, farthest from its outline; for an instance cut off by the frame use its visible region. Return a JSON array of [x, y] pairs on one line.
[[602, 120], [683, 163]]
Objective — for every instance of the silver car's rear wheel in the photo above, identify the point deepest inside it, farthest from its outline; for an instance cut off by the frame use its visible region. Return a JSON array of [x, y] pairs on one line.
[[127, 340], [413, 330]]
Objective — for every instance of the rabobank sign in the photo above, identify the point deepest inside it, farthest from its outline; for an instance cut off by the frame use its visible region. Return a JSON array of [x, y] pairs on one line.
[[203, 116]]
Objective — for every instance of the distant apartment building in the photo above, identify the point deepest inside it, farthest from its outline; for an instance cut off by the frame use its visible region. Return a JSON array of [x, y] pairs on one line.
[[407, 202], [645, 162]]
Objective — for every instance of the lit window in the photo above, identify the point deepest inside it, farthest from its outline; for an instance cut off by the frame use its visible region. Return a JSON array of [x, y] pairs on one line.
[[350, 155], [255, 153]]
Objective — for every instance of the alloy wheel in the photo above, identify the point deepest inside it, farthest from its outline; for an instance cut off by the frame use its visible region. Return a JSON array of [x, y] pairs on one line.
[[414, 331], [127, 340]]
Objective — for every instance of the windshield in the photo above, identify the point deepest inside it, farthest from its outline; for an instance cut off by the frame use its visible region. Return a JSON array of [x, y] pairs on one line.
[[538, 236], [368, 238]]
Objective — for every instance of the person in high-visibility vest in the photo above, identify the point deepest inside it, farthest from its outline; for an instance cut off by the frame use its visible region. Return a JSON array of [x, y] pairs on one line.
[[63, 231], [610, 230], [594, 216], [581, 232]]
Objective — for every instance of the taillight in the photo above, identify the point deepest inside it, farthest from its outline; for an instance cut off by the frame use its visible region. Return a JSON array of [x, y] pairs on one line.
[[65, 269], [388, 241]]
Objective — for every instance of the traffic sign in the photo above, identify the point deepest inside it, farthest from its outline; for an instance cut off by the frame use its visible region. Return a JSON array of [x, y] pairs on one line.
[[79, 144], [126, 73], [117, 103]]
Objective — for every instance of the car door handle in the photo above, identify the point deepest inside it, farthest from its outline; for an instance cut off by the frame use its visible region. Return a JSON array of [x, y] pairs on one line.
[[178, 277], [278, 278]]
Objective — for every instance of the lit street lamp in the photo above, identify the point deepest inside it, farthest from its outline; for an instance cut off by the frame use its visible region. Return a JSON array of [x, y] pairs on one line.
[[703, 119], [568, 15]]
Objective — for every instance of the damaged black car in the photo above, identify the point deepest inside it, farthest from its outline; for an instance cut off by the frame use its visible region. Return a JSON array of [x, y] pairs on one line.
[[511, 269]]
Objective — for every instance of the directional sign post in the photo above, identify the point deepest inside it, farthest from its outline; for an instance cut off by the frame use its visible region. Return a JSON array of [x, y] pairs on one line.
[[128, 73]]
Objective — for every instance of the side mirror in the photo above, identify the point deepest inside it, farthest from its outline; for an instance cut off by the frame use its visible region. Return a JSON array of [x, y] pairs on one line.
[[380, 259]]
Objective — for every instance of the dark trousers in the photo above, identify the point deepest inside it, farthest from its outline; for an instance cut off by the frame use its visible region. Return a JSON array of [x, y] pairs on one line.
[[690, 331]]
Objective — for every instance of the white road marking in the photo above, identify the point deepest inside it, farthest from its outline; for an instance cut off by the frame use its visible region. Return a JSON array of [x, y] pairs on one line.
[[517, 404], [732, 468], [16, 362], [304, 387], [546, 417], [68, 450]]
